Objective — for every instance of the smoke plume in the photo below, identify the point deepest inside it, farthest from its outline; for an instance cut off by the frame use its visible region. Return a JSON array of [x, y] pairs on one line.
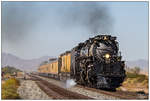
[[39, 25], [93, 17], [20, 18]]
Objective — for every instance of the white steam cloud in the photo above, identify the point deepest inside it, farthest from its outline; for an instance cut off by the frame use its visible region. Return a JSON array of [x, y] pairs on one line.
[[70, 83]]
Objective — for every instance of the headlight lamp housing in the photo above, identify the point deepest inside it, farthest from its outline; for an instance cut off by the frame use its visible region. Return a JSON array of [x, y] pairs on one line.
[[107, 56]]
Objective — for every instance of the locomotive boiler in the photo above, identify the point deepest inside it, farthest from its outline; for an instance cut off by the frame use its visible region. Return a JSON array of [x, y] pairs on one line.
[[95, 63]]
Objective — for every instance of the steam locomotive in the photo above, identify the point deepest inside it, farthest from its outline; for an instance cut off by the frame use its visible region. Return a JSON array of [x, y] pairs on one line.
[[95, 63]]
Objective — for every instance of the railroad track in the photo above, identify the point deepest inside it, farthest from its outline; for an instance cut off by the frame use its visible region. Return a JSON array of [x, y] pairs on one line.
[[56, 92], [116, 94]]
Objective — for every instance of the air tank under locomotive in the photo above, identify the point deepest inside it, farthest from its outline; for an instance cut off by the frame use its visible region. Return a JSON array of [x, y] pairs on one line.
[[97, 63]]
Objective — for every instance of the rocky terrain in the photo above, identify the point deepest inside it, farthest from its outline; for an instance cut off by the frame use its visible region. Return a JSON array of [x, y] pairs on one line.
[[29, 90]]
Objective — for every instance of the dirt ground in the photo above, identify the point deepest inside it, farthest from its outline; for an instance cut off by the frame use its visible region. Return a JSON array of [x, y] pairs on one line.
[[133, 86]]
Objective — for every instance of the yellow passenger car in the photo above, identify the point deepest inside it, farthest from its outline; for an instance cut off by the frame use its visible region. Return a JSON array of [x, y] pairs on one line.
[[65, 62], [43, 68], [51, 68], [54, 67]]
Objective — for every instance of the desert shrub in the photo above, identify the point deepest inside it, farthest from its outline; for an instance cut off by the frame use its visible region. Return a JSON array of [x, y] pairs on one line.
[[9, 89], [138, 77], [12, 81], [145, 83], [131, 75], [141, 78], [10, 70], [9, 92], [129, 81]]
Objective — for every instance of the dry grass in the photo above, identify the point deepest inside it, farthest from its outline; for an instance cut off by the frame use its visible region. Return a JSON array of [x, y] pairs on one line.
[[135, 83], [9, 89]]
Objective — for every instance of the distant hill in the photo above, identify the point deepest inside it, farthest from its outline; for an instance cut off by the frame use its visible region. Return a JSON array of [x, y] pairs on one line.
[[22, 64], [143, 64]]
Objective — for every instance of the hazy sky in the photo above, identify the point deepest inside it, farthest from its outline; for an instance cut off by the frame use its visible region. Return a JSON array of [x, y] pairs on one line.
[[35, 29]]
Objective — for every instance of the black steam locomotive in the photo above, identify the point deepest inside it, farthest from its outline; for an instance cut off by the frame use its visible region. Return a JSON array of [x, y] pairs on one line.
[[97, 63]]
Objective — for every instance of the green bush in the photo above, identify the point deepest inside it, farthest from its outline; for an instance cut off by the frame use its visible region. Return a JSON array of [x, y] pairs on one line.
[[131, 75], [9, 89], [10, 70], [12, 81], [139, 77]]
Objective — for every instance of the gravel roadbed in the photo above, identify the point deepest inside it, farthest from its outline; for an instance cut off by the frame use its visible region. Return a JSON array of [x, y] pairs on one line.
[[30, 91]]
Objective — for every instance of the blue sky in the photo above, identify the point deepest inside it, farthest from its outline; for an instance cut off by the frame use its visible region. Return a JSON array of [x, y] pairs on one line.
[[35, 29]]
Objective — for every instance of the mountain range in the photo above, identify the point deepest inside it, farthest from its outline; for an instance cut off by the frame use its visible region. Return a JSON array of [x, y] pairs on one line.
[[32, 64], [22, 64]]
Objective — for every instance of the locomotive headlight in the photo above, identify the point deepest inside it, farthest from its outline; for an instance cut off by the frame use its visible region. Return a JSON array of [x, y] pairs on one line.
[[107, 56]]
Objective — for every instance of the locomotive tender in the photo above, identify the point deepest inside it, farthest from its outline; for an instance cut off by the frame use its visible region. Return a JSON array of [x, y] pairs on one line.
[[95, 63]]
